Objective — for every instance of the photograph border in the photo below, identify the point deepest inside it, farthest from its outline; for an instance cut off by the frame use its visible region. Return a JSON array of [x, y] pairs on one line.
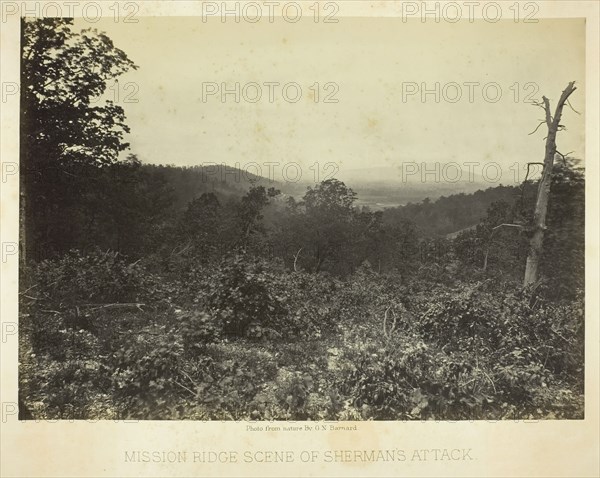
[[229, 448]]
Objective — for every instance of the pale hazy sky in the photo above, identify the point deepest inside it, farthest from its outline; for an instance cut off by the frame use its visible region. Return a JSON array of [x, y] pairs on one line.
[[370, 59]]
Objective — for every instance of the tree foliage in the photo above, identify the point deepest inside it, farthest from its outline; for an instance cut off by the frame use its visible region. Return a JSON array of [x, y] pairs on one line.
[[65, 137]]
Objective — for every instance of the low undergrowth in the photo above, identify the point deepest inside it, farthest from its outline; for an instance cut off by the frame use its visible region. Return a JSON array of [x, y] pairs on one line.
[[246, 339]]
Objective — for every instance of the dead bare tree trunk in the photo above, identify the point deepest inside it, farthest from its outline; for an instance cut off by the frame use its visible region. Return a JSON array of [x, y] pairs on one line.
[[541, 206]]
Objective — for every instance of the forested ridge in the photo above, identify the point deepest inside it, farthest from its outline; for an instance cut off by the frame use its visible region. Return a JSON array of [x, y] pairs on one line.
[[161, 292]]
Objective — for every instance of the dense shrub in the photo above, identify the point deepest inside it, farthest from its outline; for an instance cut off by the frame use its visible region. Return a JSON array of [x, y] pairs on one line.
[[96, 277], [253, 298], [143, 373], [224, 379], [67, 389], [473, 353], [196, 329], [247, 297]]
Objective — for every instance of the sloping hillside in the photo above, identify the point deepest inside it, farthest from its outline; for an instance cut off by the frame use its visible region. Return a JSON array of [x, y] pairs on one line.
[[450, 214]]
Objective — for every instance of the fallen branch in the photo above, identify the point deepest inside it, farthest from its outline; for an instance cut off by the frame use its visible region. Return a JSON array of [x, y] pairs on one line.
[[477, 286], [138, 333], [296, 258], [559, 335], [182, 249], [116, 305], [386, 333], [489, 379], [27, 290], [184, 387], [189, 378]]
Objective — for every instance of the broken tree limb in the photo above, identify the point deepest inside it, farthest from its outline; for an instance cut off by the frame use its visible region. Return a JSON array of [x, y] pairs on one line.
[[527, 177], [494, 229], [116, 305]]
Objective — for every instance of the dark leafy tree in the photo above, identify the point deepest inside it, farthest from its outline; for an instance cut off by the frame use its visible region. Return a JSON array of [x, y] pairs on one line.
[[65, 136], [250, 212], [200, 224], [330, 217]]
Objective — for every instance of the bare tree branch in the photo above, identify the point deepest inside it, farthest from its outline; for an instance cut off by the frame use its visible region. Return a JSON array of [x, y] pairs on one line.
[[537, 127], [521, 226], [570, 106], [27, 290], [116, 305], [539, 104], [185, 388], [564, 156], [296, 258]]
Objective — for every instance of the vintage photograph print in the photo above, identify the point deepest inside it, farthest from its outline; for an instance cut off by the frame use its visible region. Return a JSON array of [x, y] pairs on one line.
[[296, 215]]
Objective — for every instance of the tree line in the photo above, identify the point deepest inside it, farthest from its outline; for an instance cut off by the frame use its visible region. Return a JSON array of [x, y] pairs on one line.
[[78, 192]]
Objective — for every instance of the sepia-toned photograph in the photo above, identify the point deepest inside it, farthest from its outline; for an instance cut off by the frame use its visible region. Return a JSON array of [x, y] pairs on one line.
[[294, 215]]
